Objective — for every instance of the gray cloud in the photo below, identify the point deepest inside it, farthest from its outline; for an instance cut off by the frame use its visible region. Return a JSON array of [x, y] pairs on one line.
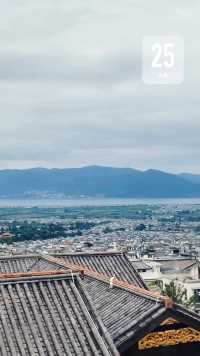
[[92, 68], [71, 88]]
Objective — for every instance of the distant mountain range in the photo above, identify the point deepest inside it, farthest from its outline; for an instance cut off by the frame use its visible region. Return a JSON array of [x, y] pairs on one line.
[[97, 181], [194, 178]]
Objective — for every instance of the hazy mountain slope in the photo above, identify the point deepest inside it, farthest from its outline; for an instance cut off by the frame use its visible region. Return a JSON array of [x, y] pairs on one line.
[[194, 178], [96, 181]]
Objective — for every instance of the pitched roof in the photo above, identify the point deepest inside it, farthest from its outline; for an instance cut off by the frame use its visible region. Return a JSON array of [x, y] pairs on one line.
[[50, 312], [140, 265], [129, 312], [111, 264], [26, 263], [49, 315], [175, 264], [121, 309]]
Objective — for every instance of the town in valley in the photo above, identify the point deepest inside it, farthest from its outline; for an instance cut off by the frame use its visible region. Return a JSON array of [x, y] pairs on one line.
[[162, 241]]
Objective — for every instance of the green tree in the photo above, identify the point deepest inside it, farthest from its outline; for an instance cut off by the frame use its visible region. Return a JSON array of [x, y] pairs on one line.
[[177, 293], [192, 301]]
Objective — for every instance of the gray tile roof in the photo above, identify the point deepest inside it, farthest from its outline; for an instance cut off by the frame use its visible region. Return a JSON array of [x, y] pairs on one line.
[[26, 263], [50, 315], [140, 265], [120, 309], [111, 264], [59, 313], [175, 264], [129, 314]]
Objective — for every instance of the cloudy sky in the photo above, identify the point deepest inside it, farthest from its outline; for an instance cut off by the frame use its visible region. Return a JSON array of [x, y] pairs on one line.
[[71, 87]]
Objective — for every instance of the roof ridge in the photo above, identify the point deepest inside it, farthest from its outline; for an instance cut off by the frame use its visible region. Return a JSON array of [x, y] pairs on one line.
[[116, 282], [19, 256], [90, 253], [16, 275]]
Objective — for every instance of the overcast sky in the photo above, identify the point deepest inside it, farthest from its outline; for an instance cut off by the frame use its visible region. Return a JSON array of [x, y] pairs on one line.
[[71, 87]]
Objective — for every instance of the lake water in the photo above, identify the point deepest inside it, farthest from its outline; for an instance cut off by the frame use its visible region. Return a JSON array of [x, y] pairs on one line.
[[92, 202]]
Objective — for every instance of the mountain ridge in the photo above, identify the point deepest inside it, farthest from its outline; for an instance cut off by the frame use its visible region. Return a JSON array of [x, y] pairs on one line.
[[95, 181]]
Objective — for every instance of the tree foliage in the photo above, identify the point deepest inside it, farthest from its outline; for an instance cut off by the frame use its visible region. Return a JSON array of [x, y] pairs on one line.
[[179, 295], [176, 292]]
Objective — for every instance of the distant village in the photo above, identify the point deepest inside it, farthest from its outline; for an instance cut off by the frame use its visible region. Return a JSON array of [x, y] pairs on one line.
[[162, 242]]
